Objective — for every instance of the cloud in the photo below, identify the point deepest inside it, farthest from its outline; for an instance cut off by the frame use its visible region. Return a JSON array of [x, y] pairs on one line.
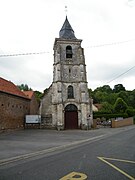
[[32, 26]]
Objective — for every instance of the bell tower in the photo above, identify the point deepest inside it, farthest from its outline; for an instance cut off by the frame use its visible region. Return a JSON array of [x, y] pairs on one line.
[[70, 99]]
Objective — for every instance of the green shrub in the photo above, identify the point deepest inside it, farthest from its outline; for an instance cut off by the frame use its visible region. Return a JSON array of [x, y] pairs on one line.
[[108, 116], [130, 112]]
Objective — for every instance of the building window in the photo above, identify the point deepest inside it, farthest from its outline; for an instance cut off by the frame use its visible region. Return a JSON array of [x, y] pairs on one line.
[[70, 92], [69, 52]]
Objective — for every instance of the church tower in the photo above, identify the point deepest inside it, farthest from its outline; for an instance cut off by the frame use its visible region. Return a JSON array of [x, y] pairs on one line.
[[70, 106]]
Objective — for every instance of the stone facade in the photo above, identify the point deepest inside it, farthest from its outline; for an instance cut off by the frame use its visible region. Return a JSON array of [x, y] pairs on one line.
[[67, 104], [46, 109]]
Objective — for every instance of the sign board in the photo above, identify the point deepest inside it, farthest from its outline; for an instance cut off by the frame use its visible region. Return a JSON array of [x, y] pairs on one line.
[[119, 118], [32, 119]]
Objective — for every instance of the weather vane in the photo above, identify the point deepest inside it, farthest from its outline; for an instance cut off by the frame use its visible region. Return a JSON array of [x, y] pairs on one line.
[[66, 10]]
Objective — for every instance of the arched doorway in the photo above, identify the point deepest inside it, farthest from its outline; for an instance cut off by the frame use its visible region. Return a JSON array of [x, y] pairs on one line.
[[71, 117]]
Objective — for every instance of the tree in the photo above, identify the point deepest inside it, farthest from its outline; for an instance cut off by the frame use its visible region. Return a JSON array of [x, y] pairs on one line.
[[90, 92], [46, 90], [39, 95], [118, 88], [105, 88], [106, 107], [24, 87], [103, 94], [120, 106], [131, 112], [124, 95], [131, 98], [99, 96], [111, 98], [118, 100]]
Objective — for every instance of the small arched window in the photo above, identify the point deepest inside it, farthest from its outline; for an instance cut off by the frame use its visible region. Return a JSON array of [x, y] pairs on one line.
[[69, 52], [70, 92]]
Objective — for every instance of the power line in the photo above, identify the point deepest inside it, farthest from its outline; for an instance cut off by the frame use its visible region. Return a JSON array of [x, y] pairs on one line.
[[111, 44], [93, 46], [120, 75], [22, 54]]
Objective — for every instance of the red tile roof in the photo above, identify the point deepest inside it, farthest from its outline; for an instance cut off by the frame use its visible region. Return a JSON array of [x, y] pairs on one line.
[[29, 94], [9, 87]]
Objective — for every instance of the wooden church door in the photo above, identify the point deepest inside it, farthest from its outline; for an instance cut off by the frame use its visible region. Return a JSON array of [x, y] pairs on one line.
[[71, 117]]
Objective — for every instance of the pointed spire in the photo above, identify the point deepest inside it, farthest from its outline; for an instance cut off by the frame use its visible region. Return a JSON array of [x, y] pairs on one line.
[[66, 31]]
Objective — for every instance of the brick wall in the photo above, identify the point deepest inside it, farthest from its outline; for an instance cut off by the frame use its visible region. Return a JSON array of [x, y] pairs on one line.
[[121, 123], [34, 105], [12, 111]]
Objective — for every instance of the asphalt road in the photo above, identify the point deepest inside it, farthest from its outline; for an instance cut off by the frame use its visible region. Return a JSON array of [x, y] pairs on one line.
[[106, 156]]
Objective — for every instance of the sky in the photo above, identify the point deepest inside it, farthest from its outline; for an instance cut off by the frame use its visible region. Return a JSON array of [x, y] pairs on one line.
[[107, 28]]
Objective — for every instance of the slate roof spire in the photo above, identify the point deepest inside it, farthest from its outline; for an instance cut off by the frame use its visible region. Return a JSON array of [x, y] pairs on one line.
[[66, 31]]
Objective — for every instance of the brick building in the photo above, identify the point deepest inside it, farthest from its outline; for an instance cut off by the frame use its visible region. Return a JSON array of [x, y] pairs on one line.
[[34, 104], [14, 105]]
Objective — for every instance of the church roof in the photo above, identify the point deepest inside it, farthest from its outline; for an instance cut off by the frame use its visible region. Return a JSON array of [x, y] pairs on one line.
[[66, 31]]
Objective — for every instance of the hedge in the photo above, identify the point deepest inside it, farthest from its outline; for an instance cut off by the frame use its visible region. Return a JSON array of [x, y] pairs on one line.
[[130, 112], [108, 116]]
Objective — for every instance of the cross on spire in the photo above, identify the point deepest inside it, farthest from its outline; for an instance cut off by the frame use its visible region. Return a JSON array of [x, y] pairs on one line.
[[66, 10]]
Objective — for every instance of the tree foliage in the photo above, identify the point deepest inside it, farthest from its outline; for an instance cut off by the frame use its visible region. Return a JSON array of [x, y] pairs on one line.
[[39, 95], [105, 89], [24, 87], [120, 106], [118, 88], [116, 100], [106, 107]]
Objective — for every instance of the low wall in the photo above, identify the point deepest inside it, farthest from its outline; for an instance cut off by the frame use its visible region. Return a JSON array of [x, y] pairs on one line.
[[121, 123], [94, 123]]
